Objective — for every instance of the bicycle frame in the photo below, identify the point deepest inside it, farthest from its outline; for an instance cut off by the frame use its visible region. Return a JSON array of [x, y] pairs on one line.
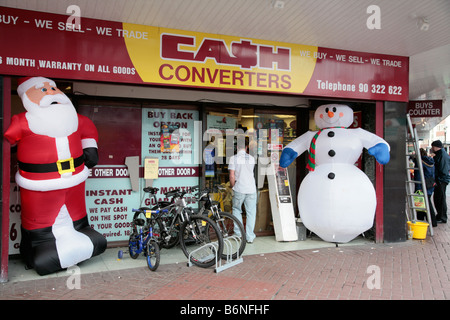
[[205, 195], [145, 235], [223, 220], [142, 239], [176, 207], [180, 206]]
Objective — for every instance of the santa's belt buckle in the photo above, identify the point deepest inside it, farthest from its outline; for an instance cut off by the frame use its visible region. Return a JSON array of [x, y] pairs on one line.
[[63, 164]]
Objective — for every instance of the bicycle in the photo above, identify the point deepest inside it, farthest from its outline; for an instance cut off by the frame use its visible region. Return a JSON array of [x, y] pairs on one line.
[[168, 236], [142, 238], [230, 226], [199, 236]]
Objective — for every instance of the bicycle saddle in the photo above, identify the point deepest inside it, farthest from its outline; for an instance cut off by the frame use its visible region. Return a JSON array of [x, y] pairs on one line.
[[151, 190]]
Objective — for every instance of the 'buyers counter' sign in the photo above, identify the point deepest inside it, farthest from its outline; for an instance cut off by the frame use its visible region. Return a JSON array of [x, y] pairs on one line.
[[38, 43], [425, 109]]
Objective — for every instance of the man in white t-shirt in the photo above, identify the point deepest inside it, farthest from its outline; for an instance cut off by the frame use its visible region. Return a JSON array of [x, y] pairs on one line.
[[242, 180]]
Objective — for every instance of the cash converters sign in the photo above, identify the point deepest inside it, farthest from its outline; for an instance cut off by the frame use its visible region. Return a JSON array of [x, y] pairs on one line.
[[44, 44], [211, 61]]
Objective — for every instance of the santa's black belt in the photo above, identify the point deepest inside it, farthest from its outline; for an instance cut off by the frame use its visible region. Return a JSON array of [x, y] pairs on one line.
[[61, 166]]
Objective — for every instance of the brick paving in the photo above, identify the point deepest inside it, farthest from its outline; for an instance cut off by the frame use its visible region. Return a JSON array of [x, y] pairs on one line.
[[411, 270]]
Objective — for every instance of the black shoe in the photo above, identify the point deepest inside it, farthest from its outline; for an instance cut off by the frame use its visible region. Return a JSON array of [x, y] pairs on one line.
[[441, 221]]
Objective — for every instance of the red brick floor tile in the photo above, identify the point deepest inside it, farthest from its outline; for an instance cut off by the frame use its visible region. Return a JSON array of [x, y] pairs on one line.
[[409, 270]]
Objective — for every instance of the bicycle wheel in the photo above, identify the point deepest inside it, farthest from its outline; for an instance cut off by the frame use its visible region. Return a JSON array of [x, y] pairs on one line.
[[133, 245], [233, 233], [201, 241], [153, 255]]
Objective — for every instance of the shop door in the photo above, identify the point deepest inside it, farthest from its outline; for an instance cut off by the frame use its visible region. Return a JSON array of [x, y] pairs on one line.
[[272, 131]]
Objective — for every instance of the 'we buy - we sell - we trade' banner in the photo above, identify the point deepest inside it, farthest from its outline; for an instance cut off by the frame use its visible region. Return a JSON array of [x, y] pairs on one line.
[[43, 44]]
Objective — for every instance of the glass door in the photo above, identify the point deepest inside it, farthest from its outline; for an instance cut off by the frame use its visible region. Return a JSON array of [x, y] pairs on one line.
[[272, 130]]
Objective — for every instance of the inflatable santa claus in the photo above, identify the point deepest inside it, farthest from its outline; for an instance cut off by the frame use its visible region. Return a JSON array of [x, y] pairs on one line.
[[55, 148]]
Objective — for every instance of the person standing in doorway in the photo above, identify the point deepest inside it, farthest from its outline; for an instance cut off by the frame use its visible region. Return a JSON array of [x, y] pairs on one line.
[[441, 160], [242, 180]]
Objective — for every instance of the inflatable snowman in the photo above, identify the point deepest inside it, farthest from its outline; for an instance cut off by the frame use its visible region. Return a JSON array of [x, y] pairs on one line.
[[336, 199]]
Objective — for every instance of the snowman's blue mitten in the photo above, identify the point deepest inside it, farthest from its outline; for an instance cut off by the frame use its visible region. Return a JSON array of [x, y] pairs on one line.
[[381, 153], [287, 156]]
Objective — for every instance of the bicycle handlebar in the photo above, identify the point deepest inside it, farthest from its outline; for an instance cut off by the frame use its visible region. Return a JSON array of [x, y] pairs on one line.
[[207, 191], [152, 211], [173, 193], [177, 193]]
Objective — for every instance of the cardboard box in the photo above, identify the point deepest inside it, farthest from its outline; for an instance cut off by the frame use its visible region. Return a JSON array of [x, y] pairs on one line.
[[263, 212]]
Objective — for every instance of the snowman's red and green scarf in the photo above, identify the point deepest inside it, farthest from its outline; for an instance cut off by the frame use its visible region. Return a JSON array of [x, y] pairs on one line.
[[311, 165]]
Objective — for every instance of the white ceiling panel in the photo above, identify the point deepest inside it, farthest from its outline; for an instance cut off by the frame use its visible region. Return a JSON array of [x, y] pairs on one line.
[[339, 24]]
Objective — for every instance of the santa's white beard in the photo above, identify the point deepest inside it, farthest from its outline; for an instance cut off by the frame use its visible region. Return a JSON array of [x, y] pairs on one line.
[[53, 120]]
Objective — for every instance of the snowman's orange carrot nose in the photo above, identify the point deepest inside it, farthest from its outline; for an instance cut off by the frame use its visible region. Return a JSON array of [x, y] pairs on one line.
[[330, 114]]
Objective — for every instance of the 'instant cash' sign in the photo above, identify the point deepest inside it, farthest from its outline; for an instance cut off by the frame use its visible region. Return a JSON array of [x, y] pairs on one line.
[[44, 44]]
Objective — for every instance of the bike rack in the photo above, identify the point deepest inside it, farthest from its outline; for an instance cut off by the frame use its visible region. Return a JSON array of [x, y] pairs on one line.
[[229, 262]]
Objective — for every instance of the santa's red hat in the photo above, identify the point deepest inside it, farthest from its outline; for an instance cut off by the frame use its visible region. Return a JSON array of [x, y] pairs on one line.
[[28, 82]]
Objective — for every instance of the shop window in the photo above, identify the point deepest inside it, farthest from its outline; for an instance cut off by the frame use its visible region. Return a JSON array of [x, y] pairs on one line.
[[128, 129], [119, 130], [169, 135]]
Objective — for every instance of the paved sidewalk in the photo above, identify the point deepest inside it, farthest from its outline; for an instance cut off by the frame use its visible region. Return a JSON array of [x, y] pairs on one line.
[[415, 269]]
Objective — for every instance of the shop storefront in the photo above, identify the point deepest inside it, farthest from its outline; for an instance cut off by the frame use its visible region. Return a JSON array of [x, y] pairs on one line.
[[166, 102]]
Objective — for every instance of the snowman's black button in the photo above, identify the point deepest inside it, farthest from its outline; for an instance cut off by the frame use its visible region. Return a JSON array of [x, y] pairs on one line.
[[331, 153], [331, 175], [331, 134]]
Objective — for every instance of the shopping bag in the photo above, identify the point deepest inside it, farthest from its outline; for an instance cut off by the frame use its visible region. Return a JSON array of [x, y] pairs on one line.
[[419, 200]]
